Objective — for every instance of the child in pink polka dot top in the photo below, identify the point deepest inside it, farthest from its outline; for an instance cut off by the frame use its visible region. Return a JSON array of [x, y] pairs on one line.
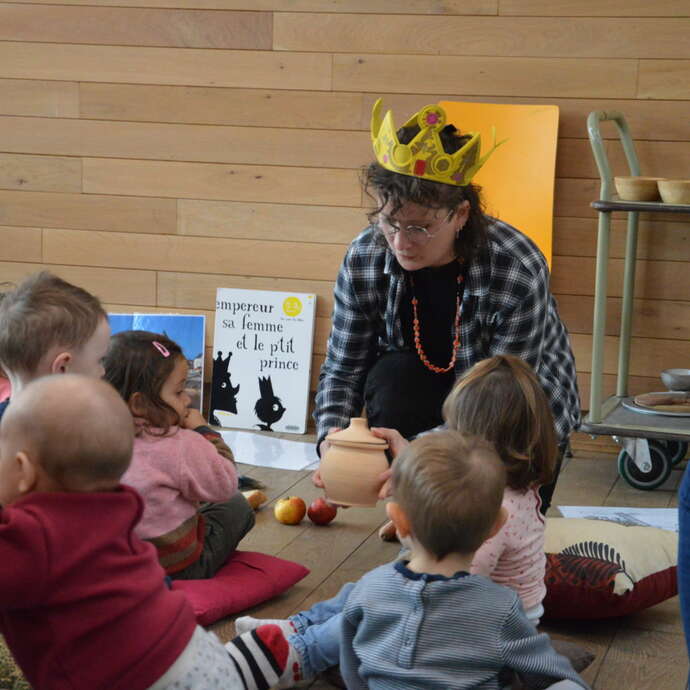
[[501, 399]]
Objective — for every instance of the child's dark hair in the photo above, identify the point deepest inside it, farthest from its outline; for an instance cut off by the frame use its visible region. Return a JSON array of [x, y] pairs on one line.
[[501, 399], [135, 365]]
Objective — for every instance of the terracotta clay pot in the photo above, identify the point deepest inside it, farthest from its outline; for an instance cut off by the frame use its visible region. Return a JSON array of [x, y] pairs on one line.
[[351, 467]]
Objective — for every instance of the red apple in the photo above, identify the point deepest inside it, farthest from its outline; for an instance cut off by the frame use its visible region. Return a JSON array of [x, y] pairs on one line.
[[321, 512], [290, 510]]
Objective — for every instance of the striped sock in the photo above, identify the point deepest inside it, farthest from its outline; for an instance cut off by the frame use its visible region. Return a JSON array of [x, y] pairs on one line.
[[247, 623], [265, 659]]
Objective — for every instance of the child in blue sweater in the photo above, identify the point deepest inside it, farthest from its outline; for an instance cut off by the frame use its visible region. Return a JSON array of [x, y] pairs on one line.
[[427, 622]]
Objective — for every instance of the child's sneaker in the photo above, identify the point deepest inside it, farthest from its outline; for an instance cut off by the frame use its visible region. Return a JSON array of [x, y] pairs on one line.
[[246, 623]]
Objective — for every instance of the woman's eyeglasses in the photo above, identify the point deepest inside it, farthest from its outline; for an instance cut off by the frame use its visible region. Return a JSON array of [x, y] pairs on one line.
[[414, 233]]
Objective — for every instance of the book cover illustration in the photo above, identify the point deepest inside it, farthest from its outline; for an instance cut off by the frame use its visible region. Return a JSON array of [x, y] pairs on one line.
[[262, 359], [187, 330]]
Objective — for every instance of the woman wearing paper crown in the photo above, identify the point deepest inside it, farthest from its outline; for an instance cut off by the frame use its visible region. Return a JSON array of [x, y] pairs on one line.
[[432, 286]]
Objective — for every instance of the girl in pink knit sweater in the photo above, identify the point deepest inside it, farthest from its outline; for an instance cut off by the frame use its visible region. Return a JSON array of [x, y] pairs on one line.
[[186, 475]]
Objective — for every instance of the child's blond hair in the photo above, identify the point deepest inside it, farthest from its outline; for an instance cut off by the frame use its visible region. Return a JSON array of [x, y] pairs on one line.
[[43, 312], [450, 486], [501, 399]]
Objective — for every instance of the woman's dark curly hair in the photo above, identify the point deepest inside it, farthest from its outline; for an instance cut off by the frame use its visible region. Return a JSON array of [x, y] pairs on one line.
[[387, 187], [135, 365]]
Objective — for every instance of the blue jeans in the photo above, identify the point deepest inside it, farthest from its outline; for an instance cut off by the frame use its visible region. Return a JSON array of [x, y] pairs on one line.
[[684, 554], [318, 633]]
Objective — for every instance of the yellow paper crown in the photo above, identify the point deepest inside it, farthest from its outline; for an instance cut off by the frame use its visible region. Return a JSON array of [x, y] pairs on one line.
[[424, 156]]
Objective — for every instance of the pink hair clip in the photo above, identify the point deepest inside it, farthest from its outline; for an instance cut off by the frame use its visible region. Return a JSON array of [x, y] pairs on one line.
[[161, 348]]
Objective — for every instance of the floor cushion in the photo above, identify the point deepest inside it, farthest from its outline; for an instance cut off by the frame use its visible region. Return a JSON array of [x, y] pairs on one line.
[[601, 569], [247, 579]]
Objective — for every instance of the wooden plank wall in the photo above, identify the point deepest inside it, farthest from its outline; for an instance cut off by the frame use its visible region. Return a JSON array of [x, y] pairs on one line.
[[153, 150]]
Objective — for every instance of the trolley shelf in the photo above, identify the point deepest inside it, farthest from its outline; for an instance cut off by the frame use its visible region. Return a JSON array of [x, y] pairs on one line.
[[649, 206], [652, 444], [618, 420]]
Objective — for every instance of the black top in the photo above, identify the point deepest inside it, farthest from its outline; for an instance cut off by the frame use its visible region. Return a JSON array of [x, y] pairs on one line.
[[436, 290]]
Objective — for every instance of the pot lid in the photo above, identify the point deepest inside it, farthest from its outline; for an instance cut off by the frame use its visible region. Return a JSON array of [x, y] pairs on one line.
[[358, 433]]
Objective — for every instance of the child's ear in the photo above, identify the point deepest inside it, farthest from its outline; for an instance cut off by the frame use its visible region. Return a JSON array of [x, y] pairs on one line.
[[61, 363], [501, 520], [137, 404], [28, 476], [399, 519]]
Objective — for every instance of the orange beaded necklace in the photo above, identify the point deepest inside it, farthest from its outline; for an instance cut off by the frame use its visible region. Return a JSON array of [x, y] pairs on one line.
[[418, 341]]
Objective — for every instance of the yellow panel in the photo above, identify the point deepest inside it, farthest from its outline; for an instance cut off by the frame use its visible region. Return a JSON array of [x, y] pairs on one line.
[[518, 180]]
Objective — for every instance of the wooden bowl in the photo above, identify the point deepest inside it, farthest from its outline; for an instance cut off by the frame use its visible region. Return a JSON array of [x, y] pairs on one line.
[[637, 188], [674, 191]]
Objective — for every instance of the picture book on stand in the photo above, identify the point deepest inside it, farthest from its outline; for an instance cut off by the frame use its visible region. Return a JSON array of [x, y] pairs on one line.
[[262, 350]]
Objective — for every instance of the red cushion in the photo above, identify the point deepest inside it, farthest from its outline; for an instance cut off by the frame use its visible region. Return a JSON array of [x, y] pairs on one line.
[[601, 569], [247, 579], [582, 588]]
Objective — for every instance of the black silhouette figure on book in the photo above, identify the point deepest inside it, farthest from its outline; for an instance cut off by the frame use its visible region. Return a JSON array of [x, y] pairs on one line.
[[223, 393], [268, 407]]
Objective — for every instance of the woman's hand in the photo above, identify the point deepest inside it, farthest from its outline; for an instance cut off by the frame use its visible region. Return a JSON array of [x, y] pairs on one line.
[[396, 444], [316, 479], [386, 489], [323, 447]]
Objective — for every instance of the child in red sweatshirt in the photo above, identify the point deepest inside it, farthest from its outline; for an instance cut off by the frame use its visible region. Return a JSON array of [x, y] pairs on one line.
[[83, 601]]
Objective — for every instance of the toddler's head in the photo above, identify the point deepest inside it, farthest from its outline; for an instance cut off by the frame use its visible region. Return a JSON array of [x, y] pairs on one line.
[[49, 326], [450, 489], [64, 433], [150, 373], [501, 399]]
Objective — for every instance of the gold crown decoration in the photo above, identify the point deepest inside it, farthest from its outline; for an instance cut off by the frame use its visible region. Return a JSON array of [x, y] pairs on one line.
[[424, 156]]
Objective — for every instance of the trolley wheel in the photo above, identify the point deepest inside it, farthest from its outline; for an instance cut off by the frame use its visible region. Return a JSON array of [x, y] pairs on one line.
[[651, 478], [676, 451]]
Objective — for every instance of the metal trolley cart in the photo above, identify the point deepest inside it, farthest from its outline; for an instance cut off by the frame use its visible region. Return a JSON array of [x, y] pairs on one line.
[[651, 443]]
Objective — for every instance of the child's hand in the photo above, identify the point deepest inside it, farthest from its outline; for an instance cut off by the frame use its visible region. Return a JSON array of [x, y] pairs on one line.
[[387, 532], [193, 419]]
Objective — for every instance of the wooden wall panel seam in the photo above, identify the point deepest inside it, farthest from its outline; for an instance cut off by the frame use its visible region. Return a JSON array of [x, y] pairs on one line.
[[413, 7], [176, 66], [580, 37]]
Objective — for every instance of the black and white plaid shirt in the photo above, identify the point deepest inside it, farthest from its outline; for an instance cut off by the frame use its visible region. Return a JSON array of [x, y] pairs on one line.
[[507, 308]]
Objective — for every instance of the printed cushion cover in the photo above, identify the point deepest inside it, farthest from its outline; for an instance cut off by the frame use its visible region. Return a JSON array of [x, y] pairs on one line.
[[601, 569]]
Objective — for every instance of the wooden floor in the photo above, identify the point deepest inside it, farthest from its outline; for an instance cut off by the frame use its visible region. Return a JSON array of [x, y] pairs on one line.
[[639, 652]]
